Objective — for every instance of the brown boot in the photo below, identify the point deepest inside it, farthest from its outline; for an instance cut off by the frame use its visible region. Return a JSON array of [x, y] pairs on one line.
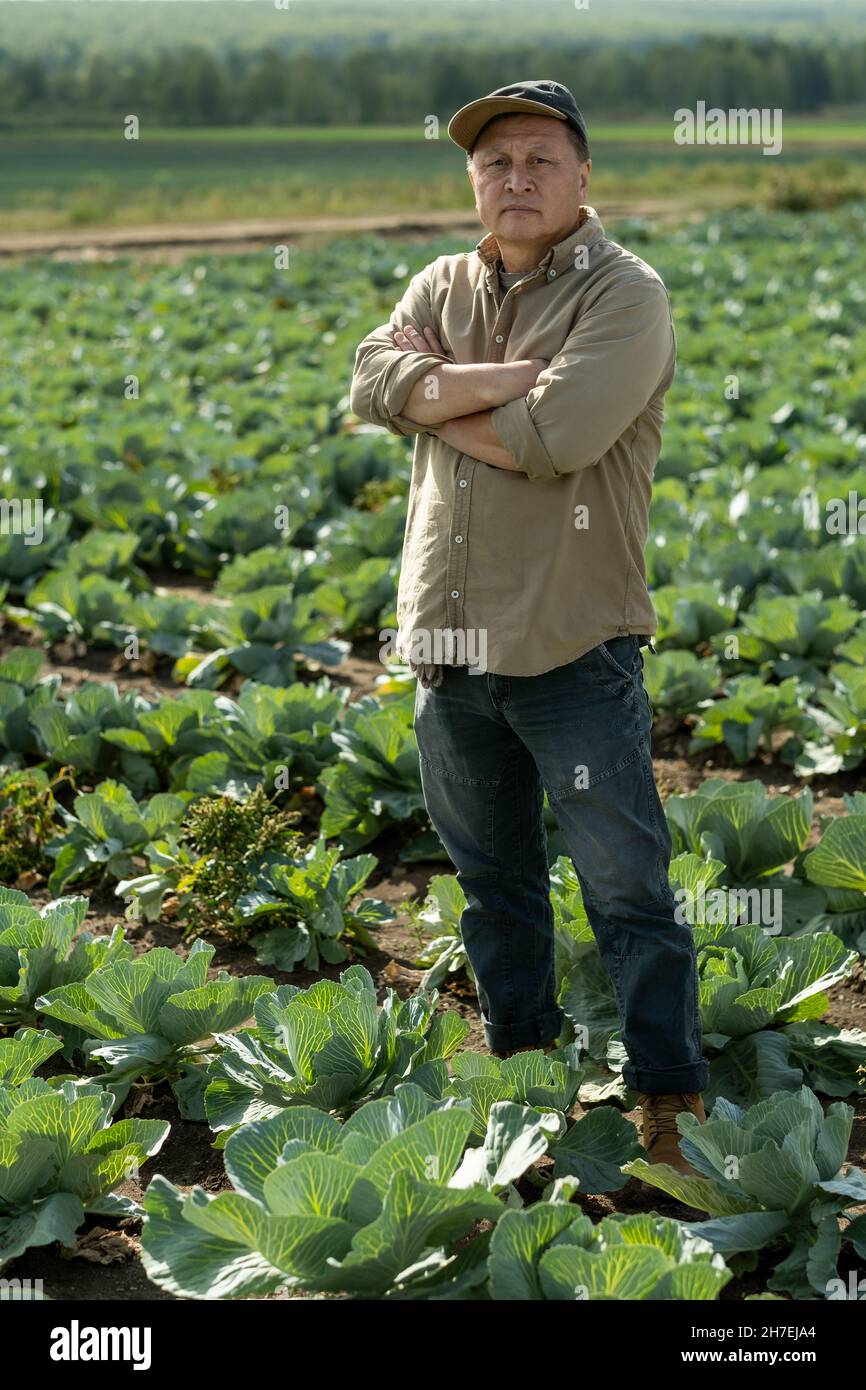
[[660, 1136], [532, 1047]]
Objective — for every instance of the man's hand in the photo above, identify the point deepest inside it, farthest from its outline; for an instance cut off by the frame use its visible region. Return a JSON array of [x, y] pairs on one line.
[[453, 390], [483, 386], [474, 434], [411, 339]]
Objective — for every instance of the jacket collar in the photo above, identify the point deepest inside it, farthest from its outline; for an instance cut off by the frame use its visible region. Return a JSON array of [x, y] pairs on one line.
[[559, 257]]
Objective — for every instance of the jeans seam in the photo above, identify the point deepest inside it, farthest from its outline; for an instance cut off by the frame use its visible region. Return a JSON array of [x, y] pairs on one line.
[[618, 992], [508, 955], [454, 777], [649, 781], [560, 793]]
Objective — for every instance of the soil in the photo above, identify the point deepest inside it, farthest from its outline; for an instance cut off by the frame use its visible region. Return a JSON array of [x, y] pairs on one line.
[[172, 241]]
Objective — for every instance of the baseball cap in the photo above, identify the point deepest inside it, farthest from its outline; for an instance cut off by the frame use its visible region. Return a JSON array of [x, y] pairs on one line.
[[539, 98]]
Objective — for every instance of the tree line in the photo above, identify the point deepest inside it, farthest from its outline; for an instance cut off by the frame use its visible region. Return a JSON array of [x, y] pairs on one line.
[[193, 86]]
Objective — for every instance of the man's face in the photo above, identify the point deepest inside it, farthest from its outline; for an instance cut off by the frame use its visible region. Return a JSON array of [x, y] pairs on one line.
[[528, 163]]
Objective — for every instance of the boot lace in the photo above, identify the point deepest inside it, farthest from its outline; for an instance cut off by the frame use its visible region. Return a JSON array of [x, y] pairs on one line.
[[661, 1114]]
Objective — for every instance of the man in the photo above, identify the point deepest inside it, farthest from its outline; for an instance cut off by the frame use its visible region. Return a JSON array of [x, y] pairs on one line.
[[533, 372]]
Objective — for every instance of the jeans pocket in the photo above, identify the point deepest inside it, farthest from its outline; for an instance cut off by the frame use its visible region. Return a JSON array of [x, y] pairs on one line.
[[605, 652]]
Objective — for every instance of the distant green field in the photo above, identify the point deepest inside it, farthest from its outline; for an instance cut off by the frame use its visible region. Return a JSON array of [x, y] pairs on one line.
[[81, 178], [852, 131]]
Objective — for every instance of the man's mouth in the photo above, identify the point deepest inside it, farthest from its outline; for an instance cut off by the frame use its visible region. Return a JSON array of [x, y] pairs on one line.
[[515, 207]]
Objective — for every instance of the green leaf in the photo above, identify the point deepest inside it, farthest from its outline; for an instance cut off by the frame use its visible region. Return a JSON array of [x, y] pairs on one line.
[[185, 1261], [568, 1272], [416, 1215], [594, 1149], [255, 1150], [518, 1242], [21, 1054], [216, 1007], [702, 1193], [55, 1218]]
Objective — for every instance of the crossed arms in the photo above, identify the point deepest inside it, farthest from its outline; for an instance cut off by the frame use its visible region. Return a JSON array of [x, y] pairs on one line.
[[543, 419], [454, 400]]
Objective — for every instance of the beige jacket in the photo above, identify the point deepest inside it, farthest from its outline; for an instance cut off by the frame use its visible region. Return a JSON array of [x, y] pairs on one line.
[[520, 572]]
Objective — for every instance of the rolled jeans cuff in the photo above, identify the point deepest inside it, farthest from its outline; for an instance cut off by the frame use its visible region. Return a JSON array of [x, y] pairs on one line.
[[543, 1028], [667, 1081]]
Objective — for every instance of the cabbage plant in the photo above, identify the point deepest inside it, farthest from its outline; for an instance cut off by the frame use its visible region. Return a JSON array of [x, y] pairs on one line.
[[61, 1158], [316, 891], [678, 681], [553, 1251], [37, 951], [26, 1050], [75, 733], [260, 633], [264, 734], [690, 614], [107, 830], [839, 742], [762, 999], [838, 865], [375, 1207], [377, 779], [21, 694], [736, 822], [592, 1149], [441, 912], [154, 1017], [748, 713], [772, 1175], [791, 634], [330, 1046]]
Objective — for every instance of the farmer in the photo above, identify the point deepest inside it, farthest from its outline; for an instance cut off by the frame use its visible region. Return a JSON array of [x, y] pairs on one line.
[[532, 372]]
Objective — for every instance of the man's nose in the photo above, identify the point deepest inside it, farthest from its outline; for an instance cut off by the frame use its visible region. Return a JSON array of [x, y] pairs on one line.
[[518, 177]]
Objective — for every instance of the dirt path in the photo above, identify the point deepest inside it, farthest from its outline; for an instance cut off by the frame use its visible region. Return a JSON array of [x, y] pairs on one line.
[[170, 240]]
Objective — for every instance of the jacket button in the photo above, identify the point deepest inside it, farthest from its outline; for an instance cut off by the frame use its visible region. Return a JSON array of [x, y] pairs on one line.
[[455, 593], [458, 539], [463, 482], [499, 338]]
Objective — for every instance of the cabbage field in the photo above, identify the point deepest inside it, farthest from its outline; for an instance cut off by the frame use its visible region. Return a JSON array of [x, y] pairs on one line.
[[240, 1047]]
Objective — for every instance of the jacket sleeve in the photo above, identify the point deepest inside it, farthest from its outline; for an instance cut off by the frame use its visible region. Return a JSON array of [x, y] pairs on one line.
[[383, 376], [601, 380]]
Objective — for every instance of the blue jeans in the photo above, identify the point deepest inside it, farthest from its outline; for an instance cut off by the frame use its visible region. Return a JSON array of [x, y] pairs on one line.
[[489, 746]]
